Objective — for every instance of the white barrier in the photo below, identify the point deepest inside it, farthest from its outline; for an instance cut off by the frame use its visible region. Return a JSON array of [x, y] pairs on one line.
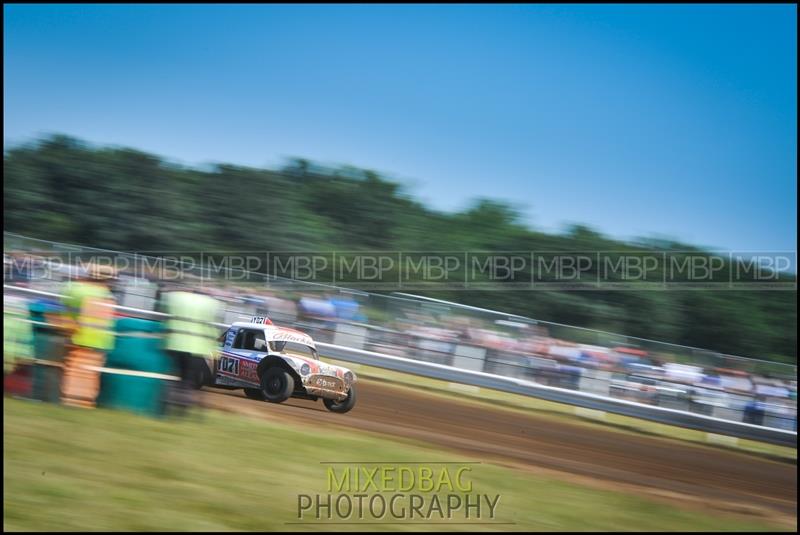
[[586, 400]]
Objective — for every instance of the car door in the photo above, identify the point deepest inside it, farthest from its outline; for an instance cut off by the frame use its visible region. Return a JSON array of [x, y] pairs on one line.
[[239, 359]]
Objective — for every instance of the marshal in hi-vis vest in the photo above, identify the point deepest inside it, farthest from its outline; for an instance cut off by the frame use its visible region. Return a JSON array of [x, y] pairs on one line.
[[189, 327], [88, 305]]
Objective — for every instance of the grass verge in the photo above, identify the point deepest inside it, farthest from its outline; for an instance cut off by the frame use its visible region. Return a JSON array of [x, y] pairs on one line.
[[73, 469]]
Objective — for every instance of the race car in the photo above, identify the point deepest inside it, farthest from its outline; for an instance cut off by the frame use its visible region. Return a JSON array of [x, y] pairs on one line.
[[274, 363]]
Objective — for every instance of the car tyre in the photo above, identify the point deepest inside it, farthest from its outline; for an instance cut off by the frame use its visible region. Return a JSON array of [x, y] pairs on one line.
[[344, 405], [277, 385], [199, 373]]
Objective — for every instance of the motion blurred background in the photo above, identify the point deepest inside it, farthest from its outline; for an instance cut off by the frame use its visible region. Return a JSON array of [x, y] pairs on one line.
[[162, 130], [630, 121]]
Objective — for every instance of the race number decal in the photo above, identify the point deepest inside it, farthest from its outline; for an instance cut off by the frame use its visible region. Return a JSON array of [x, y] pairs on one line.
[[229, 366]]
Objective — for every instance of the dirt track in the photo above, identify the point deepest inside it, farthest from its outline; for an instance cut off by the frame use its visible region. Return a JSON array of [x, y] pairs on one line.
[[670, 469]]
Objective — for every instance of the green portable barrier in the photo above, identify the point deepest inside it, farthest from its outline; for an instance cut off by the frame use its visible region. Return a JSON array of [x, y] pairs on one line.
[[49, 347], [138, 347]]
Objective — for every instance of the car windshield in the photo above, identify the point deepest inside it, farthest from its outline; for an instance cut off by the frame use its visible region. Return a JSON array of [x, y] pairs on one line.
[[295, 348]]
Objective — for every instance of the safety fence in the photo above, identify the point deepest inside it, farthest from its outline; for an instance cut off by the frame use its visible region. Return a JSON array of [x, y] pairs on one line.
[[648, 372], [641, 385]]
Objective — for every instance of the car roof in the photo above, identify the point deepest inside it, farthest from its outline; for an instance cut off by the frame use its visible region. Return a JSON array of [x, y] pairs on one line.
[[273, 333]]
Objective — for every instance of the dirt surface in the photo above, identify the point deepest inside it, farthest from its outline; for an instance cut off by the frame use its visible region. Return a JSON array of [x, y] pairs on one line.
[[669, 469]]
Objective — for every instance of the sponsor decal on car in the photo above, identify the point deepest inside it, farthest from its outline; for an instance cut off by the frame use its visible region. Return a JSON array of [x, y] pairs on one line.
[[326, 382], [230, 336], [288, 335], [248, 371]]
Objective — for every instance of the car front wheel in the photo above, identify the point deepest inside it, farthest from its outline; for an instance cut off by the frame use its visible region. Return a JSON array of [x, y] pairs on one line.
[[277, 385], [342, 406]]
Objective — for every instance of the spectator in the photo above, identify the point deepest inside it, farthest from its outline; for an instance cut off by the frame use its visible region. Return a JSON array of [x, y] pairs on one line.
[[754, 411]]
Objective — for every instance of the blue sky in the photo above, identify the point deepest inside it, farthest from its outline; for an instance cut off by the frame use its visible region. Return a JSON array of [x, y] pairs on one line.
[[672, 121]]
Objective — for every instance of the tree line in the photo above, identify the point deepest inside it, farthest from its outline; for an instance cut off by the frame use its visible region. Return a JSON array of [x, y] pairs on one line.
[[62, 189]]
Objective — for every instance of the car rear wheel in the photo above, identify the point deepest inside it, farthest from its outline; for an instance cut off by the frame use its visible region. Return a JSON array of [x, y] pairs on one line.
[[199, 373], [254, 393], [342, 406], [277, 385]]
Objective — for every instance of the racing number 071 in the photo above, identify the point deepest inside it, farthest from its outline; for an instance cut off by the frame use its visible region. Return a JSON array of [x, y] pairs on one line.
[[229, 365]]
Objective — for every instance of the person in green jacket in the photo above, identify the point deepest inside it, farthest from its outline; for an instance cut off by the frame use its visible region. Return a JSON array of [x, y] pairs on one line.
[[190, 339]]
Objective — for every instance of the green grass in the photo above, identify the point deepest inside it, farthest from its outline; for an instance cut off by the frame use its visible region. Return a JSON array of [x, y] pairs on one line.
[[74, 469], [560, 410]]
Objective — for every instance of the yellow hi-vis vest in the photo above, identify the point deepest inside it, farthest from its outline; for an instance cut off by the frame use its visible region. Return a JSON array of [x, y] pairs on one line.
[[87, 304], [17, 335], [188, 328]]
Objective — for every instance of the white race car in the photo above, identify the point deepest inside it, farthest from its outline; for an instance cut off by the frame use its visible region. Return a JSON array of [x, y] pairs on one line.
[[275, 363]]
